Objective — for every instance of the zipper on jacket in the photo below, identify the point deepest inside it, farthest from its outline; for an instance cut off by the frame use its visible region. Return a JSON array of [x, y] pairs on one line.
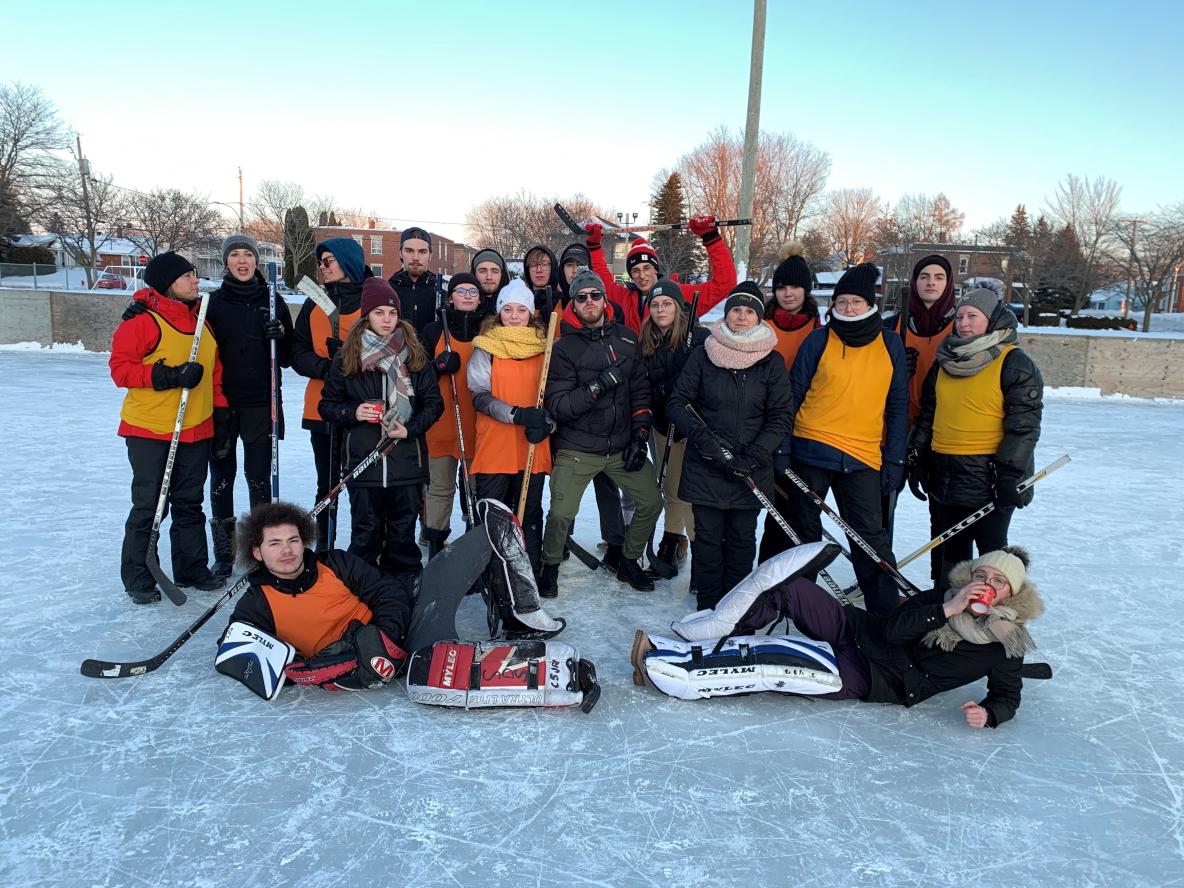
[[382, 430]]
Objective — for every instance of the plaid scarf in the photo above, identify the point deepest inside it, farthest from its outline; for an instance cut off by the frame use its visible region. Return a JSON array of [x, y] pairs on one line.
[[388, 354]]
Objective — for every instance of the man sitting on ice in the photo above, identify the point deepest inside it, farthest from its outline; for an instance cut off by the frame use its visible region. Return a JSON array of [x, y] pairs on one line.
[[933, 642], [345, 618]]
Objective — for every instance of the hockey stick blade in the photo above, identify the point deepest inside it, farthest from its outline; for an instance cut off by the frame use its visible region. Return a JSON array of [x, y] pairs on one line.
[[582, 554], [112, 669], [1041, 671], [312, 290], [566, 218], [170, 589]]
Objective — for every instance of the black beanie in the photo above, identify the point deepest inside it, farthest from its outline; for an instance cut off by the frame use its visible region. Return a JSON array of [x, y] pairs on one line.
[[793, 270], [667, 287], [161, 271], [859, 281], [933, 259], [747, 294], [412, 233], [463, 278]]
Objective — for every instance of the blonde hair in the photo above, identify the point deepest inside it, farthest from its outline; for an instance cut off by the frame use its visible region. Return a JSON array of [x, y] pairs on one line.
[[351, 349], [652, 336]]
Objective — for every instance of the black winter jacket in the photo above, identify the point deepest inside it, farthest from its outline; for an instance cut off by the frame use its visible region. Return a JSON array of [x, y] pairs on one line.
[[551, 295], [347, 296], [237, 314], [969, 480], [904, 671], [462, 327], [418, 299], [663, 368], [748, 410], [602, 425], [390, 598], [407, 461]]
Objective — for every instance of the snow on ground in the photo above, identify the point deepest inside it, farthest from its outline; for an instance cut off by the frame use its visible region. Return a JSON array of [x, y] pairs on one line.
[[183, 778]]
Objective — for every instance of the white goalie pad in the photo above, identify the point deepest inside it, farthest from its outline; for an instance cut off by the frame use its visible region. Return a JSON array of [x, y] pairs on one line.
[[482, 674], [251, 656], [741, 608], [749, 664]]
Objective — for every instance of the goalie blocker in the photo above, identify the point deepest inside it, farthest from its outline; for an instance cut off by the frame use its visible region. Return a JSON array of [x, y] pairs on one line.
[[484, 674], [253, 657]]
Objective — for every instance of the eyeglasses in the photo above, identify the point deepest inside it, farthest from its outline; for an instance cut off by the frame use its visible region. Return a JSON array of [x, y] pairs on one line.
[[466, 291], [328, 261], [996, 583], [850, 303], [542, 263], [581, 298]]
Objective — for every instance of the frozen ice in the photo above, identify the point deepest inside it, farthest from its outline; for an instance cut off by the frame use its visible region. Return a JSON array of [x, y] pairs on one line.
[[182, 777]]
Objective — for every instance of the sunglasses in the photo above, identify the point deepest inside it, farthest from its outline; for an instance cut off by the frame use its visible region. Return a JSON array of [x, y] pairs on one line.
[[328, 261], [581, 298]]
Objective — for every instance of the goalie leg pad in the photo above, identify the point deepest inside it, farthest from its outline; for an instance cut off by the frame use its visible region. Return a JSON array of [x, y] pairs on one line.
[[485, 674], [254, 658], [785, 664], [515, 589]]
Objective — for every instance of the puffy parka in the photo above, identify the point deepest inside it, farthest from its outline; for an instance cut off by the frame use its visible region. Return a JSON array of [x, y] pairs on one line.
[[238, 310], [418, 299]]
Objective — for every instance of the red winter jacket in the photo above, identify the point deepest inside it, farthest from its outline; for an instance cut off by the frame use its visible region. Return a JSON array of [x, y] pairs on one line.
[[711, 293], [137, 337]]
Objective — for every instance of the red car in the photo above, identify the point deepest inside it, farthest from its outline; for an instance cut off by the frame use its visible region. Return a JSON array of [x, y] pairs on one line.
[[111, 282]]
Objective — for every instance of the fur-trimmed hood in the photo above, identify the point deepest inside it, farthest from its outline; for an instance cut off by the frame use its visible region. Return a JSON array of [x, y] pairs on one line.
[[1027, 602], [1005, 622]]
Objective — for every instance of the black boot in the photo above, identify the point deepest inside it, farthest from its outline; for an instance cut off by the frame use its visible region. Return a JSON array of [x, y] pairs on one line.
[[437, 540], [549, 581], [144, 596], [668, 550], [222, 530], [683, 546], [612, 556], [630, 572]]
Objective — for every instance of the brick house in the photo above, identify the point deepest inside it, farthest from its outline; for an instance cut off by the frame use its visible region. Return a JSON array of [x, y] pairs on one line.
[[967, 262], [380, 246]]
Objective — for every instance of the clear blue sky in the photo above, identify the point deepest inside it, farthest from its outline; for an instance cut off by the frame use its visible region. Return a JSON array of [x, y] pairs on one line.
[[990, 103]]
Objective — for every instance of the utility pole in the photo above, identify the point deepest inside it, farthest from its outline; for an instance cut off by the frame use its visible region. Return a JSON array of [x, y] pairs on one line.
[[241, 223], [1130, 266], [752, 128], [83, 176]]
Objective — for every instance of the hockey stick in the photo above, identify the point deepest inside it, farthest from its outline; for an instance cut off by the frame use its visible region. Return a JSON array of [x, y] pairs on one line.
[[578, 229], [552, 326], [676, 226], [888, 503], [470, 503], [582, 555], [984, 511], [901, 580], [275, 393], [321, 299], [175, 595]]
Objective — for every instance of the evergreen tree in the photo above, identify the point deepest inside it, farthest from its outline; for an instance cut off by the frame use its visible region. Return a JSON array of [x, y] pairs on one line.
[[677, 250], [299, 256], [1019, 231]]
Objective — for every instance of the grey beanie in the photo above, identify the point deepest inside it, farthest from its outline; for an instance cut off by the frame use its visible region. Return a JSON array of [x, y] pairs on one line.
[[239, 242], [488, 256], [981, 298], [584, 278]]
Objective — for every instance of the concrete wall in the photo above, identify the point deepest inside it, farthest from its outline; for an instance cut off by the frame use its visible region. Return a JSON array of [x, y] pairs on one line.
[[1138, 365]]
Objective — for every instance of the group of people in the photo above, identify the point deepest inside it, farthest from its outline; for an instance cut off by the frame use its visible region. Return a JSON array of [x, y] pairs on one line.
[[659, 412]]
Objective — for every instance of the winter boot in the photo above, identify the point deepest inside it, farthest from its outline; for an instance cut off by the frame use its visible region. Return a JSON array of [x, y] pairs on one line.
[[668, 550], [222, 530], [144, 596], [612, 556], [437, 540], [549, 581], [684, 546], [208, 583], [630, 572]]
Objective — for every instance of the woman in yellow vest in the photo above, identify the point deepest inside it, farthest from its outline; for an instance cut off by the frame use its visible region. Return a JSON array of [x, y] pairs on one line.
[[850, 426], [150, 358], [464, 318], [975, 437], [316, 339], [503, 377]]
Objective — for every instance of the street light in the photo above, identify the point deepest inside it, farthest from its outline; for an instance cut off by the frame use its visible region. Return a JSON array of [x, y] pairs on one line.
[[241, 222]]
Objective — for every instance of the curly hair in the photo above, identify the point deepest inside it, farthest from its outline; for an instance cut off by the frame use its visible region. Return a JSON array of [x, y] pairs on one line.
[[251, 526]]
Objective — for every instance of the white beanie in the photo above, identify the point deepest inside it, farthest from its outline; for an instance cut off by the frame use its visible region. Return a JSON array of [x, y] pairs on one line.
[[1011, 561], [515, 292]]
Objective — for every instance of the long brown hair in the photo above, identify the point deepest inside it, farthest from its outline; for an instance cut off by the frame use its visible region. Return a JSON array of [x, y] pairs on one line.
[[351, 350], [652, 336], [495, 320]]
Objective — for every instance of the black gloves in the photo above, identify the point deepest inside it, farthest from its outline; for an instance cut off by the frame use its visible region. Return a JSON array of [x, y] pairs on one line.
[[917, 473], [707, 446], [220, 446], [610, 377], [187, 375], [538, 426], [1006, 495], [891, 478], [334, 346], [746, 464], [274, 330], [446, 363], [910, 357], [636, 450], [782, 456], [134, 309]]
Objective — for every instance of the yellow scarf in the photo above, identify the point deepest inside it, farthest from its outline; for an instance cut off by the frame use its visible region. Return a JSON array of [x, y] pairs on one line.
[[515, 343]]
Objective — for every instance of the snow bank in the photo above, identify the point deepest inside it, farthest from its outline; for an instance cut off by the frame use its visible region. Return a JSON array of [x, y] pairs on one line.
[[74, 347]]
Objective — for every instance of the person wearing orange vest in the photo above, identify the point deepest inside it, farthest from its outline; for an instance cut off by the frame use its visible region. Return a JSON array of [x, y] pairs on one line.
[[316, 340], [793, 314], [464, 318], [850, 426], [503, 378], [150, 358], [975, 436], [346, 618]]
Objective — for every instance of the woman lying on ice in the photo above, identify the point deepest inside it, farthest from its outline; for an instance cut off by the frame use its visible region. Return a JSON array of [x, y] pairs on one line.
[[933, 642]]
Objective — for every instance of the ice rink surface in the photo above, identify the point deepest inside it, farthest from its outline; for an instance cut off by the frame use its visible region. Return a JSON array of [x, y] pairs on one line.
[[183, 778]]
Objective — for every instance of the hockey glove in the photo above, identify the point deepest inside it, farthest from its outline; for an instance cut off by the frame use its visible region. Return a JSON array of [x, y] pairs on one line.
[[528, 416], [220, 446], [363, 658], [186, 375], [703, 226], [538, 431], [610, 377], [636, 451], [274, 330], [595, 233], [333, 346], [446, 363], [891, 478], [910, 357], [132, 310], [1006, 495]]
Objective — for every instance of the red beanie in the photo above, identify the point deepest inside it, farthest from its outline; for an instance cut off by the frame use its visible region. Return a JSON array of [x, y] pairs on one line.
[[376, 293], [641, 251]]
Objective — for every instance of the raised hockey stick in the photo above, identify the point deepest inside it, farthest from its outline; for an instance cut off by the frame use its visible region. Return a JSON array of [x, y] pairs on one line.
[[552, 327], [577, 229], [275, 392], [175, 595], [676, 226], [470, 502]]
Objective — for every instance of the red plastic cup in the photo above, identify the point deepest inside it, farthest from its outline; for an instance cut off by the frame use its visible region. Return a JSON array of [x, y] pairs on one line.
[[981, 603], [379, 405]]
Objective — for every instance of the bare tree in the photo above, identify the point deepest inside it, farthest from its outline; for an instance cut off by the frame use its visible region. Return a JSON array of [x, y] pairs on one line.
[[1152, 249], [29, 132], [919, 218], [83, 213], [270, 208], [512, 224], [790, 180], [168, 219], [850, 223], [1090, 209]]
